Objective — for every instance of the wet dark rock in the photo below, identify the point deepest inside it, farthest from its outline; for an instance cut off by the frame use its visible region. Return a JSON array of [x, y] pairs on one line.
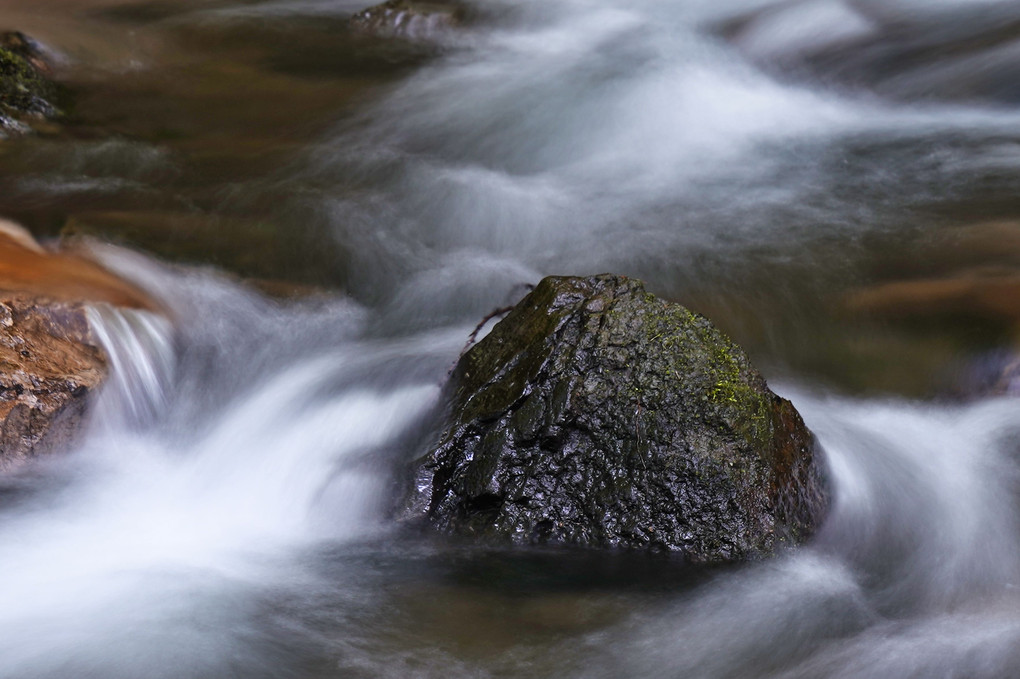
[[26, 95], [49, 365], [598, 415], [408, 19]]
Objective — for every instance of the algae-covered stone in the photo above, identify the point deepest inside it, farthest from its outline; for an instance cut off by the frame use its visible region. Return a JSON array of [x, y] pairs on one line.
[[596, 414], [25, 94]]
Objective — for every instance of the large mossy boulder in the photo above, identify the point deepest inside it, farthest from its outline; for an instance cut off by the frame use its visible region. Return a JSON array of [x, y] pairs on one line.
[[598, 415]]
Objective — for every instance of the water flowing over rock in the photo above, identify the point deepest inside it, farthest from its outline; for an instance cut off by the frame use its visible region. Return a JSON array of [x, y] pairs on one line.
[[50, 357], [407, 19], [598, 415]]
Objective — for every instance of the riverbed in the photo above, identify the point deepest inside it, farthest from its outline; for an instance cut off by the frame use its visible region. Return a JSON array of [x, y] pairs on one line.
[[327, 215]]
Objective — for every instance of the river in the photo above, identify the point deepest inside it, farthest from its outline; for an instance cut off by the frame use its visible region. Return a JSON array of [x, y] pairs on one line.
[[833, 182]]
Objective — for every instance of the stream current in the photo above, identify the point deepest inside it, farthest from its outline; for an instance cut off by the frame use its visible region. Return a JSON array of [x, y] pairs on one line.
[[775, 165]]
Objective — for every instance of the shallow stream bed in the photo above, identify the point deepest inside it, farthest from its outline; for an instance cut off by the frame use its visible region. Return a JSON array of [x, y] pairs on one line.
[[833, 183]]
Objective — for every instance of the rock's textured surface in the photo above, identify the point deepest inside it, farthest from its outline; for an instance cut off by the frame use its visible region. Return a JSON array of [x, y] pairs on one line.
[[596, 414], [48, 366], [50, 360]]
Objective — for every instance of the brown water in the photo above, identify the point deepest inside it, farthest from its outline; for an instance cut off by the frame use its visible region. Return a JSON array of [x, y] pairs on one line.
[[856, 228], [177, 120], [190, 122]]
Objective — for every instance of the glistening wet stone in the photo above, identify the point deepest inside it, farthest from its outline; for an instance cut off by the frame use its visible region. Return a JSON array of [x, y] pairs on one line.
[[598, 415]]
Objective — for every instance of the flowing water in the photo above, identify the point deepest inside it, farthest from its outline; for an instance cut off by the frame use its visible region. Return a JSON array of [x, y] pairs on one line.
[[832, 181]]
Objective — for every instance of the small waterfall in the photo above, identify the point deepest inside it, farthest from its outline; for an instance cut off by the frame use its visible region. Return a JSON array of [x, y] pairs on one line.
[[140, 348], [171, 523]]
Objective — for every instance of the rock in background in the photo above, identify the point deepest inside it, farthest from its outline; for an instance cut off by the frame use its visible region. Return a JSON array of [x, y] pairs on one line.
[[597, 415], [26, 95], [408, 19]]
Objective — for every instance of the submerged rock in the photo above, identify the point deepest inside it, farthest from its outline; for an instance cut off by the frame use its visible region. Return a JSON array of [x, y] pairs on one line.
[[598, 415], [959, 291], [26, 95], [408, 19], [991, 293]]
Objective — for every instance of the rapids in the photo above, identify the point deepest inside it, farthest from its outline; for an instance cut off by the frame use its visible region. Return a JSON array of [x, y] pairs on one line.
[[227, 511]]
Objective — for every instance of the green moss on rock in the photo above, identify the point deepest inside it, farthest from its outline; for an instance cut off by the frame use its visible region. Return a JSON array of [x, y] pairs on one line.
[[596, 414], [25, 94]]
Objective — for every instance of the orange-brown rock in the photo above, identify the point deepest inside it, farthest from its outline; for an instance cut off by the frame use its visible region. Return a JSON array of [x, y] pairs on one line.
[[26, 268], [49, 364], [49, 360]]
